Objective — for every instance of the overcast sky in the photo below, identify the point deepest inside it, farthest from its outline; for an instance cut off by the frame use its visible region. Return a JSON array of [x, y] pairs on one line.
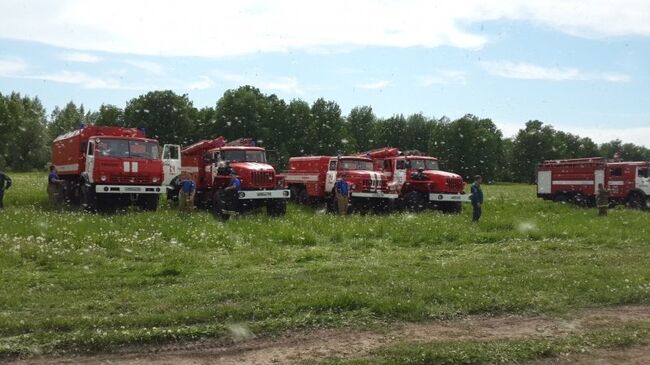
[[581, 66]]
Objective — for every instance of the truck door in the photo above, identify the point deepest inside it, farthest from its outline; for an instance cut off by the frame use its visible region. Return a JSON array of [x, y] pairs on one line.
[[599, 178], [330, 179], [171, 157], [643, 179], [544, 182], [400, 172], [90, 160]]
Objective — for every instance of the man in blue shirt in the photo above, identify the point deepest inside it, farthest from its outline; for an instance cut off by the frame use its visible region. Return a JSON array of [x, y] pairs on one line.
[[54, 185], [5, 184], [477, 198], [186, 194], [342, 189], [232, 192]]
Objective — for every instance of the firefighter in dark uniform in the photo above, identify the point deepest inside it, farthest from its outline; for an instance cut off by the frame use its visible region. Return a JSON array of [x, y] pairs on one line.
[[5, 184], [477, 198], [602, 200]]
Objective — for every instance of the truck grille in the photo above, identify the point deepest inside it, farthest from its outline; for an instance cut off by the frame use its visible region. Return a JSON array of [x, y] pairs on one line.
[[454, 184], [130, 179], [262, 178]]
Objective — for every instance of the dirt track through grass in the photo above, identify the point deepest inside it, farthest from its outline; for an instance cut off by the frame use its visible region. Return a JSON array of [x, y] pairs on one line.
[[298, 347]]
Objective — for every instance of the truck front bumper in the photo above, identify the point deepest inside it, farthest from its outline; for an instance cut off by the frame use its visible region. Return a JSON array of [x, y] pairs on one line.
[[377, 195], [438, 197], [128, 189], [265, 194]]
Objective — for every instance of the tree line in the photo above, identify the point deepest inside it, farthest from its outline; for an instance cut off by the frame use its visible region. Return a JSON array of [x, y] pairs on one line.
[[468, 146]]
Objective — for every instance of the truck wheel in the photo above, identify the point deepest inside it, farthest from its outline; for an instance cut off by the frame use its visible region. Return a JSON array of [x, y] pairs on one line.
[[88, 198], [303, 197], [636, 201], [415, 202], [276, 207], [330, 204], [560, 198], [453, 207], [218, 206], [149, 202]]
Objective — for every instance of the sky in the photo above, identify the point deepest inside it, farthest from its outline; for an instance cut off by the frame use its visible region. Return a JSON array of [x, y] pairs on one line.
[[580, 66]]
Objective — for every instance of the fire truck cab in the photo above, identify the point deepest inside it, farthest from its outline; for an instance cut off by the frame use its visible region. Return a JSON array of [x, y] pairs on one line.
[[419, 181]]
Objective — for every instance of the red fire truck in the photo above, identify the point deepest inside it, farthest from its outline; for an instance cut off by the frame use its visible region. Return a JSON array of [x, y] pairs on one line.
[[104, 167], [419, 181], [312, 178], [577, 180], [210, 163]]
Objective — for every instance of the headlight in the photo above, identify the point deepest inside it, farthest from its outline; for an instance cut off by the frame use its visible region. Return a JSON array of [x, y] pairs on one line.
[[103, 178], [285, 193]]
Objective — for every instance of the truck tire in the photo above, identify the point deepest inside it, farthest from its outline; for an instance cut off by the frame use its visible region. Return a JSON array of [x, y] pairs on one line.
[[276, 207], [415, 202], [453, 207], [560, 198], [636, 200], [330, 204], [149, 202], [218, 206]]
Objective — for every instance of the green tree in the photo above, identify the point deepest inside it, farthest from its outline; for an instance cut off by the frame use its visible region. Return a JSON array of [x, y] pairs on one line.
[[532, 145], [299, 120], [391, 132], [66, 120], [472, 146], [361, 127], [164, 115], [109, 115], [325, 134], [24, 134]]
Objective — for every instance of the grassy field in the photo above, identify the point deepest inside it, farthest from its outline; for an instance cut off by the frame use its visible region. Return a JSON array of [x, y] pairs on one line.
[[77, 282]]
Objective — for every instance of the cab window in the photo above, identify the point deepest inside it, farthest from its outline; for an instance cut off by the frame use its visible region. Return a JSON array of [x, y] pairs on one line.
[[91, 148], [644, 172], [401, 165], [332, 165], [616, 172]]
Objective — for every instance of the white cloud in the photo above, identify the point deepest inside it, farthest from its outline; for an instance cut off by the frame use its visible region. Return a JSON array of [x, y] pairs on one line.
[[283, 84], [80, 57], [12, 66], [444, 77], [226, 28], [203, 83], [376, 85], [149, 66], [639, 135], [527, 71]]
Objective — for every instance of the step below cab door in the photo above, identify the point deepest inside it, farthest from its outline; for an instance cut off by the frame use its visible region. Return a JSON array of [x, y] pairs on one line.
[[171, 157]]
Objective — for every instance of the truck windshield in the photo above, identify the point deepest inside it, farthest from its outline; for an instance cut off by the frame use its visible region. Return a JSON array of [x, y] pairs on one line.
[[127, 148], [355, 165], [424, 164], [244, 156]]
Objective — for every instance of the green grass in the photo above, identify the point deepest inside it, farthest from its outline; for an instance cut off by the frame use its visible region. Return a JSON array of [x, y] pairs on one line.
[[79, 282], [502, 351]]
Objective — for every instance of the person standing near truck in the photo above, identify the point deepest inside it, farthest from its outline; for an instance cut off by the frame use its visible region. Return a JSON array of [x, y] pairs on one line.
[[342, 189], [232, 191], [477, 198], [5, 184], [186, 193], [54, 185], [602, 200]]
